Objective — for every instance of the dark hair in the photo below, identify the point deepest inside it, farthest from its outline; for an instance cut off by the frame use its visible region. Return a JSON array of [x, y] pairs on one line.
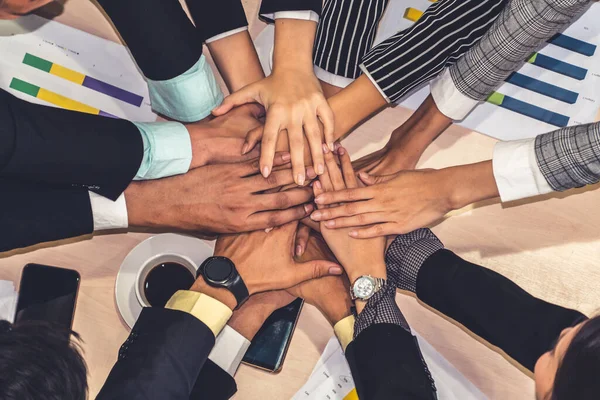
[[39, 361], [578, 376]]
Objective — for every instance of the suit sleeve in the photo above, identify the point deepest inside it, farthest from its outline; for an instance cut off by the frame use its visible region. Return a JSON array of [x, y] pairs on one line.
[[492, 306], [213, 383], [35, 213], [47, 145], [216, 17], [161, 359], [269, 7], [386, 363]]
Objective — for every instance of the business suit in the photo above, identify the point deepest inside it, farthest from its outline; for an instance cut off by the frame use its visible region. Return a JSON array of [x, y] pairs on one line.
[[163, 358]]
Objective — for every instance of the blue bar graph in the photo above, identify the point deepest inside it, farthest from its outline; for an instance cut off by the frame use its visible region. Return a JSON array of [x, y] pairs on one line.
[[558, 66], [570, 43], [529, 110], [543, 88]]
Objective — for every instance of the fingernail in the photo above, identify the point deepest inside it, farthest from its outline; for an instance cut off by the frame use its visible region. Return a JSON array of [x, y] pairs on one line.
[[300, 180], [268, 230], [330, 224], [308, 208], [337, 146], [320, 169], [318, 185], [326, 149], [319, 200], [316, 215], [335, 271], [310, 172], [342, 151], [363, 175], [265, 172], [245, 148], [286, 156], [331, 146], [353, 233], [298, 250]]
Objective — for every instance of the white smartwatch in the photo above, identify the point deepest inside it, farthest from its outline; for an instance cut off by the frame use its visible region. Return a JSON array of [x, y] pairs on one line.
[[365, 286]]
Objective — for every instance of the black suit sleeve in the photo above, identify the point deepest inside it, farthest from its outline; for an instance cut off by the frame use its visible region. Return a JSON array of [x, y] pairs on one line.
[[35, 213], [213, 383], [161, 359], [493, 307], [386, 363], [268, 7], [47, 145], [215, 17]]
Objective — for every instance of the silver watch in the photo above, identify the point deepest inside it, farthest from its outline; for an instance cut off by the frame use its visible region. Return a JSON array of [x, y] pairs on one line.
[[365, 287]]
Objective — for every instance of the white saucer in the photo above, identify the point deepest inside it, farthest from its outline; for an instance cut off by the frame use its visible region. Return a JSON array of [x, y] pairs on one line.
[[195, 249]]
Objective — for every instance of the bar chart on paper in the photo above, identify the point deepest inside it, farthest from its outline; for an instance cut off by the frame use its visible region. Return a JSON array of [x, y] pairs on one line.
[[557, 86], [52, 64]]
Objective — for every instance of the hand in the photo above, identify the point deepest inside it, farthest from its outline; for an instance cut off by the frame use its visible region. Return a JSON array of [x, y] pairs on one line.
[[405, 201], [221, 139], [265, 260], [358, 257], [331, 294], [222, 198], [250, 317]]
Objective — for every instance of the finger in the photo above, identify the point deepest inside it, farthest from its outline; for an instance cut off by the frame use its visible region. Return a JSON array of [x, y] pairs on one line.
[[346, 210], [302, 236], [227, 151], [376, 231], [357, 220], [315, 226], [325, 179], [310, 270], [315, 142], [248, 94], [326, 116], [282, 200], [269, 219], [371, 180], [268, 145], [252, 167], [310, 173], [252, 139], [296, 140], [346, 195], [277, 179], [334, 172], [347, 170]]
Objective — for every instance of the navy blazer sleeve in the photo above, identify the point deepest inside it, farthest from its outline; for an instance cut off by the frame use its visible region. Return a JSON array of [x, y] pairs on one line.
[[161, 359]]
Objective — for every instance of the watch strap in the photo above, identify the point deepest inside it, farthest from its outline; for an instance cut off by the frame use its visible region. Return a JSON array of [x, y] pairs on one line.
[[239, 290], [235, 284]]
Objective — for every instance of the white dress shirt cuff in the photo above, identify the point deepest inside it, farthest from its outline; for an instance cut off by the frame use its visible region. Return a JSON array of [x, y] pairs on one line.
[[108, 214], [373, 81], [449, 100], [516, 170], [332, 79], [307, 15], [226, 34], [229, 350]]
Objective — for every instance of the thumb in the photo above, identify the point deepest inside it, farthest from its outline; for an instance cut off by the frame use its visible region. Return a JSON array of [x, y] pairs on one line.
[[371, 180], [249, 94], [312, 270]]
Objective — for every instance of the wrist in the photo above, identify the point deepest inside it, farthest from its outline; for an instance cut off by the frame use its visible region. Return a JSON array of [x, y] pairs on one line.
[[467, 184], [335, 310], [220, 294], [294, 41], [201, 150], [376, 270], [248, 324]]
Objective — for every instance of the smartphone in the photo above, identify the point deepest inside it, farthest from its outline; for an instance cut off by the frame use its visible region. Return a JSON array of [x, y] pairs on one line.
[[48, 294], [270, 345]]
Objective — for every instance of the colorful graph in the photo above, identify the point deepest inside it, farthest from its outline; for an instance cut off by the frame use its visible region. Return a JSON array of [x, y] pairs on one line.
[[543, 88], [83, 80], [529, 110], [558, 66], [55, 98], [572, 44]]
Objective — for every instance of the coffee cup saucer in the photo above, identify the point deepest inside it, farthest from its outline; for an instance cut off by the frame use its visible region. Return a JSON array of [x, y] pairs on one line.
[[196, 250]]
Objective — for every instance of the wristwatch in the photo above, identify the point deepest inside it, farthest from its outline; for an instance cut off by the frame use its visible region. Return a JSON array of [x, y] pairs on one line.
[[220, 272], [365, 286]]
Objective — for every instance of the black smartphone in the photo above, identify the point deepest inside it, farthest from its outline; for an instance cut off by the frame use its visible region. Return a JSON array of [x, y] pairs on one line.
[[270, 345], [47, 294]]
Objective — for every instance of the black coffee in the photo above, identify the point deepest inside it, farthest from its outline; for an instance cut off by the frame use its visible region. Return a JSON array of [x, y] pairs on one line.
[[164, 280]]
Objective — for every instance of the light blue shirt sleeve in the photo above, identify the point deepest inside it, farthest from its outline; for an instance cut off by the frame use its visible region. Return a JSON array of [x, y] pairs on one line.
[[167, 150], [188, 97]]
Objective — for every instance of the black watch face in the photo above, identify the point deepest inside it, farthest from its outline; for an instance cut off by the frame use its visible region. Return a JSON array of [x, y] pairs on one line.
[[219, 270]]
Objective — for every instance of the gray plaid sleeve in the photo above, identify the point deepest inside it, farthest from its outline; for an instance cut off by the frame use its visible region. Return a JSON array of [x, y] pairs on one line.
[[570, 157], [380, 309], [522, 28]]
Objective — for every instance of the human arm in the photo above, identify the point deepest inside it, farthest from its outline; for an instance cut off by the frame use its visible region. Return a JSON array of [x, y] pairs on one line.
[[482, 300]]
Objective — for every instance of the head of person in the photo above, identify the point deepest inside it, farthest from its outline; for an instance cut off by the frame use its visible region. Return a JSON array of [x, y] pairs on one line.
[[40, 361], [571, 370], [12, 9]]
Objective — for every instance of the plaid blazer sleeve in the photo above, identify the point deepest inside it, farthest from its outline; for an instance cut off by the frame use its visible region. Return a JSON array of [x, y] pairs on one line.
[[522, 28], [570, 157]]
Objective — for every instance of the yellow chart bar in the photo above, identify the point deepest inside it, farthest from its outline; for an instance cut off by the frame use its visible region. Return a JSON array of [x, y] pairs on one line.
[[65, 102], [412, 14], [352, 395], [68, 74]]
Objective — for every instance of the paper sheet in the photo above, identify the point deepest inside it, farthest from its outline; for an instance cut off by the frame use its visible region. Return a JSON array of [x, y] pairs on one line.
[[331, 378], [52, 64], [503, 124], [8, 300]]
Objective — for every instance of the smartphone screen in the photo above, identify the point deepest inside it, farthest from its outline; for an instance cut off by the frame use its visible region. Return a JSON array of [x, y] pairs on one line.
[[269, 347], [47, 294]]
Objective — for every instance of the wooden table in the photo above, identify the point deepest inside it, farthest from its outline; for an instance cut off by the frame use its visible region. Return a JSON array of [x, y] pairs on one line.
[[550, 247]]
